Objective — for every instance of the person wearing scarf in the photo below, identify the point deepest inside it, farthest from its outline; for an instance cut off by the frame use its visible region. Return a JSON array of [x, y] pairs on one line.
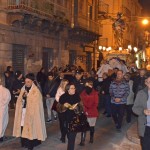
[[89, 98]]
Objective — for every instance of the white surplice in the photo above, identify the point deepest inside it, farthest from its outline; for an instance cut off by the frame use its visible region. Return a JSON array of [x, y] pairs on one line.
[[5, 98], [104, 68]]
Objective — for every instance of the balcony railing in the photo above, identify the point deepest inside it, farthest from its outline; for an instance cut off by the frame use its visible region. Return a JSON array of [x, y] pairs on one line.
[[126, 12], [43, 7], [88, 24], [103, 8]]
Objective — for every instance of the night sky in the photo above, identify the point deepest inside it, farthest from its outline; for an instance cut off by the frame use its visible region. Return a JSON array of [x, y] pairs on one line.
[[146, 7]]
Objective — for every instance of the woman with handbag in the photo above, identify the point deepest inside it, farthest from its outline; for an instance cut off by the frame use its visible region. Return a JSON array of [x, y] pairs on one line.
[[89, 98], [69, 101], [61, 91]]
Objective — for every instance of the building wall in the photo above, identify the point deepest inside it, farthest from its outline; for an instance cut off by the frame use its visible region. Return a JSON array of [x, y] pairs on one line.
[[35, 41]]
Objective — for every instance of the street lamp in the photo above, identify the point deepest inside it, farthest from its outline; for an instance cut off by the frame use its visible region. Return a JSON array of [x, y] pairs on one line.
[[129, 47], [145, 21], [120, 48], [104, 48], [100, 47], [135, 49]]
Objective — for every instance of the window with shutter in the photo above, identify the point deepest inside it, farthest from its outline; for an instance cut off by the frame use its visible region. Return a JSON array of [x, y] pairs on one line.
[[47, 61], [18, 55]]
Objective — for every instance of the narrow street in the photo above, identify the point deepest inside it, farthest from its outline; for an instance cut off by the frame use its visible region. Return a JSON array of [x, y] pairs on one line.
[[106, 137]]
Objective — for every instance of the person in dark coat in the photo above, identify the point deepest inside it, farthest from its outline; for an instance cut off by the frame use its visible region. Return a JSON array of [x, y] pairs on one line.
[[139, 82], [69, 99], [79, 82], [114, 75], [17, 85], [41, 78], [105, 94], [9, 77]]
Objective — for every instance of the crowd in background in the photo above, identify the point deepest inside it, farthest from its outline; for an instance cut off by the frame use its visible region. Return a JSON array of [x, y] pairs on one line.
[[62, 89]]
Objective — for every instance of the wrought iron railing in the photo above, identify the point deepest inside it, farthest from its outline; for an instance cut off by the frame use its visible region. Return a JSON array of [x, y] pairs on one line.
[[126, 12], [103, 7], [44, 7], [88, 24]]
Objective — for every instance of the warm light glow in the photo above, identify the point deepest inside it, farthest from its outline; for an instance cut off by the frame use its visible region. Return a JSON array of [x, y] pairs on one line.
[[129, 47], [135, 49], [109, 48], [145, 22], [104, 48], [120, 48], [100, 47]]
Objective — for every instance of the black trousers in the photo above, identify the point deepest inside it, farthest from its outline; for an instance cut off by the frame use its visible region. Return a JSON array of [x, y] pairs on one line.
[[30, 144], [128, 112], [145, 141], [107, 101], [62, 124], [71, 140], [118, 114]]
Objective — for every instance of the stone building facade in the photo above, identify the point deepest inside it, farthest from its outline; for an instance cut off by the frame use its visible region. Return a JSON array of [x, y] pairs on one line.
[[47, 33]]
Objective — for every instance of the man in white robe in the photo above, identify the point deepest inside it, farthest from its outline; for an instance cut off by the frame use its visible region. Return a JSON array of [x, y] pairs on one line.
[[5, 98], [105, 67]]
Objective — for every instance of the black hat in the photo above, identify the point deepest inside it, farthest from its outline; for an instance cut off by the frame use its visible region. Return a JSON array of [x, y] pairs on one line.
[[30, 76], [78, 72], [18, 73]]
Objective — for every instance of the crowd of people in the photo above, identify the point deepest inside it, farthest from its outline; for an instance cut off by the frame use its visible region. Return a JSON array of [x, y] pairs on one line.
[[69, 92]]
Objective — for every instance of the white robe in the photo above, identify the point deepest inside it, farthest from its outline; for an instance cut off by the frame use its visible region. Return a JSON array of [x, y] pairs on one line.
[[5, 98], [104, 68]]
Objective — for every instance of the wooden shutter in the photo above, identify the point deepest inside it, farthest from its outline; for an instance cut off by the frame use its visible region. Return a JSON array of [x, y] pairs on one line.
[[18, 55]]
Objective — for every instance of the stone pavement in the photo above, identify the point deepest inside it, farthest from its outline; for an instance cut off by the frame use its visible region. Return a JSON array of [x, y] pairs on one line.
[[106, 137], [132, 136]]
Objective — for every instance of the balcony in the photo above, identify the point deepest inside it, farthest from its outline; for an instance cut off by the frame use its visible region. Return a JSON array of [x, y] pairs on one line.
[[42, 15], [85, 30], [42, 7], [103, 9], [88, 24]]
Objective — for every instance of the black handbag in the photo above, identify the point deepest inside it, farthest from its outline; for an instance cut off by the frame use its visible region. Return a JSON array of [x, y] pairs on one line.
[[54, 107], [79, 123]]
